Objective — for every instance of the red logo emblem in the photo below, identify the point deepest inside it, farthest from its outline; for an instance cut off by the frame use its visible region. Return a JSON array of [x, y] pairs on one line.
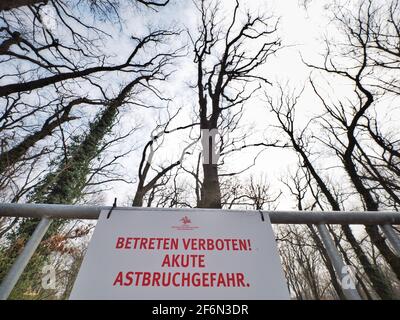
[[186, 224], [185, 220]]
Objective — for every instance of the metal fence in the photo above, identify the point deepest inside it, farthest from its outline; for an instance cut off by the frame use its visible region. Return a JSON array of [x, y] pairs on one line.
[[47, 212]]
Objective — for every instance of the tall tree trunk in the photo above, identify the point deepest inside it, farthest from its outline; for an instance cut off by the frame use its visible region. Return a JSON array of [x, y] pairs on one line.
[[138, 199], [210, 191]]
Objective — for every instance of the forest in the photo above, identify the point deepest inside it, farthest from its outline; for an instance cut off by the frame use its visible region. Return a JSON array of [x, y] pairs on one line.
[[226, 104]]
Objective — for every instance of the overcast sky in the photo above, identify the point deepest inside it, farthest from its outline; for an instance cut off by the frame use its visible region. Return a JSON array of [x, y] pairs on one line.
[[301, 30]]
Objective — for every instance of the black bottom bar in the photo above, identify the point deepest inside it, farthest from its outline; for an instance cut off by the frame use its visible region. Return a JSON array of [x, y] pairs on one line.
[[222, 309]]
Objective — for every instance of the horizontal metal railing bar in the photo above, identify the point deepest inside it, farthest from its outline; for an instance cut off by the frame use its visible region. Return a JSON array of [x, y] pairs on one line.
[[276, 217]]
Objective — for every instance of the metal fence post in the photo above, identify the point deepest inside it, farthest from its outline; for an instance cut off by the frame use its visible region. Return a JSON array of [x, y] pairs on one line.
[[11, 279], [338, 264], [392, 237]]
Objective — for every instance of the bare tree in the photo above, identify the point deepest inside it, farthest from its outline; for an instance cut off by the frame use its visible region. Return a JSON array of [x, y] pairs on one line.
[[348, 125], [43, 80], [226, 76], [73, 171], [284, 109]]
